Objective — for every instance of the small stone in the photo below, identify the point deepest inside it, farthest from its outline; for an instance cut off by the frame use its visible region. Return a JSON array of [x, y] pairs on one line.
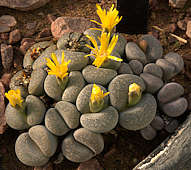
[[31, 25], [136, 66], [176, 107], [148, 133], [182, 24], [5, 79], [170, 92], [14, 36], [143, 45], [188, 29], [157, 123], [172, 27], [4, 36], [2, 109], [92, 164], [4, 28], [172, 126], [26, 43], [8, 20], [153, 83], [7, 56], [125, 69], [46, 32], [153, 69]]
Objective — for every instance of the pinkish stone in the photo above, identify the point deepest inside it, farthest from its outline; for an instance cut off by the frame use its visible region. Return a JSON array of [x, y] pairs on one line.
[[8, 20], [14, 36]]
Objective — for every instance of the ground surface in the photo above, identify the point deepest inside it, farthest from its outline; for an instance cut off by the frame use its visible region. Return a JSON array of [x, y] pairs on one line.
[[124, 149]]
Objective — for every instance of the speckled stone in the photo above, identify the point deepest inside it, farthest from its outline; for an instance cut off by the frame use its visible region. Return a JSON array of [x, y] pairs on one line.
[[45, 140], [153, 83], [100, 122], [176, 107], [153, 69], [82, 102], [69, 113], [93, 33], [93, 141], [169, 92], [40, 62], [36, 85], [140, 115], [154, 49], [75, 151], [167, 67], [75, 85], [28, 152], [55, 123], [133, 52], [119, 88], [35, 110], [78, 61], [125, 69], [96, 75], [28, 61], [136, 66], [52, 88]]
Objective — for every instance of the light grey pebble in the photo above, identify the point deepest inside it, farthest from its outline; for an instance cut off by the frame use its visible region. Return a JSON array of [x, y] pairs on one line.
[[52, 88], [75, 85], [170, 91], [154, 49], [40, 62], [28, 152], [100, 122], [93, 141], [36, 85], [176, 107], [119, 88], [28, 60], [55, 123], [157, 123], [45, 140], [153, 83], [75, 151], [136, 66], [172, 126], [93, 33], [153, 69], [148, 133], [69, 113], [133, 52], [140, 115], [125, 69], [96, 75], [82, 102]]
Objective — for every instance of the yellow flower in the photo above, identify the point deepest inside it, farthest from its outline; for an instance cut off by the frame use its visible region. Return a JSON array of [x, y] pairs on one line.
[[135, 88], [104, 52], [97, 94], [109, 19], [14, 97], [60, 70]]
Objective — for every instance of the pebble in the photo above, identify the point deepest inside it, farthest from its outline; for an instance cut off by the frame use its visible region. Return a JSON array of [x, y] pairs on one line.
[[140, 115], [136, 66], [169, 92], [172, 27], [157, 123], [96, 75], [188, 29], [182, 24], [2, 109], [153, 69], [172, 126], [4, 28], [8, 20], [148, 133], [101, 122], [92, 164], [5, 79], [125, 69], [14, 36], [7, 56], [4, 36]]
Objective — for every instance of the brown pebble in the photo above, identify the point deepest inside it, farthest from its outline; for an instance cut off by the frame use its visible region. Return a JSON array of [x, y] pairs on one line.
[[14, 36], [7, 56], [5, 79], [143, 45]]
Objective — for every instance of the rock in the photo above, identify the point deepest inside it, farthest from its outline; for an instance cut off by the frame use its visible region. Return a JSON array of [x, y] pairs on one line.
[[92, 164], [140, 115], [82, 102], [7, 56], [153, 83], [28, 152], [171, 126], [46, 32], [69, 113], [54, 123], [157, 123], [8, 20], [101, 122], [26, 43], [148, 133], [170, 92], [2, 109], [4, 36], [176, 107], [36, 85], [96, 75], [119, 88], [5, 79], [4, 28], [177, 3], [153, 69], [133, 52], [136, 66], [23, 5], [52, 88], [63, 25], [188, 29], [182, 24], [172, 27], [31, 25], [154, 49], [45, 140], [14, 36], [74, 86], [75, 151], [143, 45], [125, 69], [93, 33]]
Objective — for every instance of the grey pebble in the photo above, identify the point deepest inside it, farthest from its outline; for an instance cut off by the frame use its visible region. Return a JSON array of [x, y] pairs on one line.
[[100, 122], [140, 115], [172, 126], [96, 75], [125, 69], [148, 133], [157, 123], [136, 66], [153, 69]]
